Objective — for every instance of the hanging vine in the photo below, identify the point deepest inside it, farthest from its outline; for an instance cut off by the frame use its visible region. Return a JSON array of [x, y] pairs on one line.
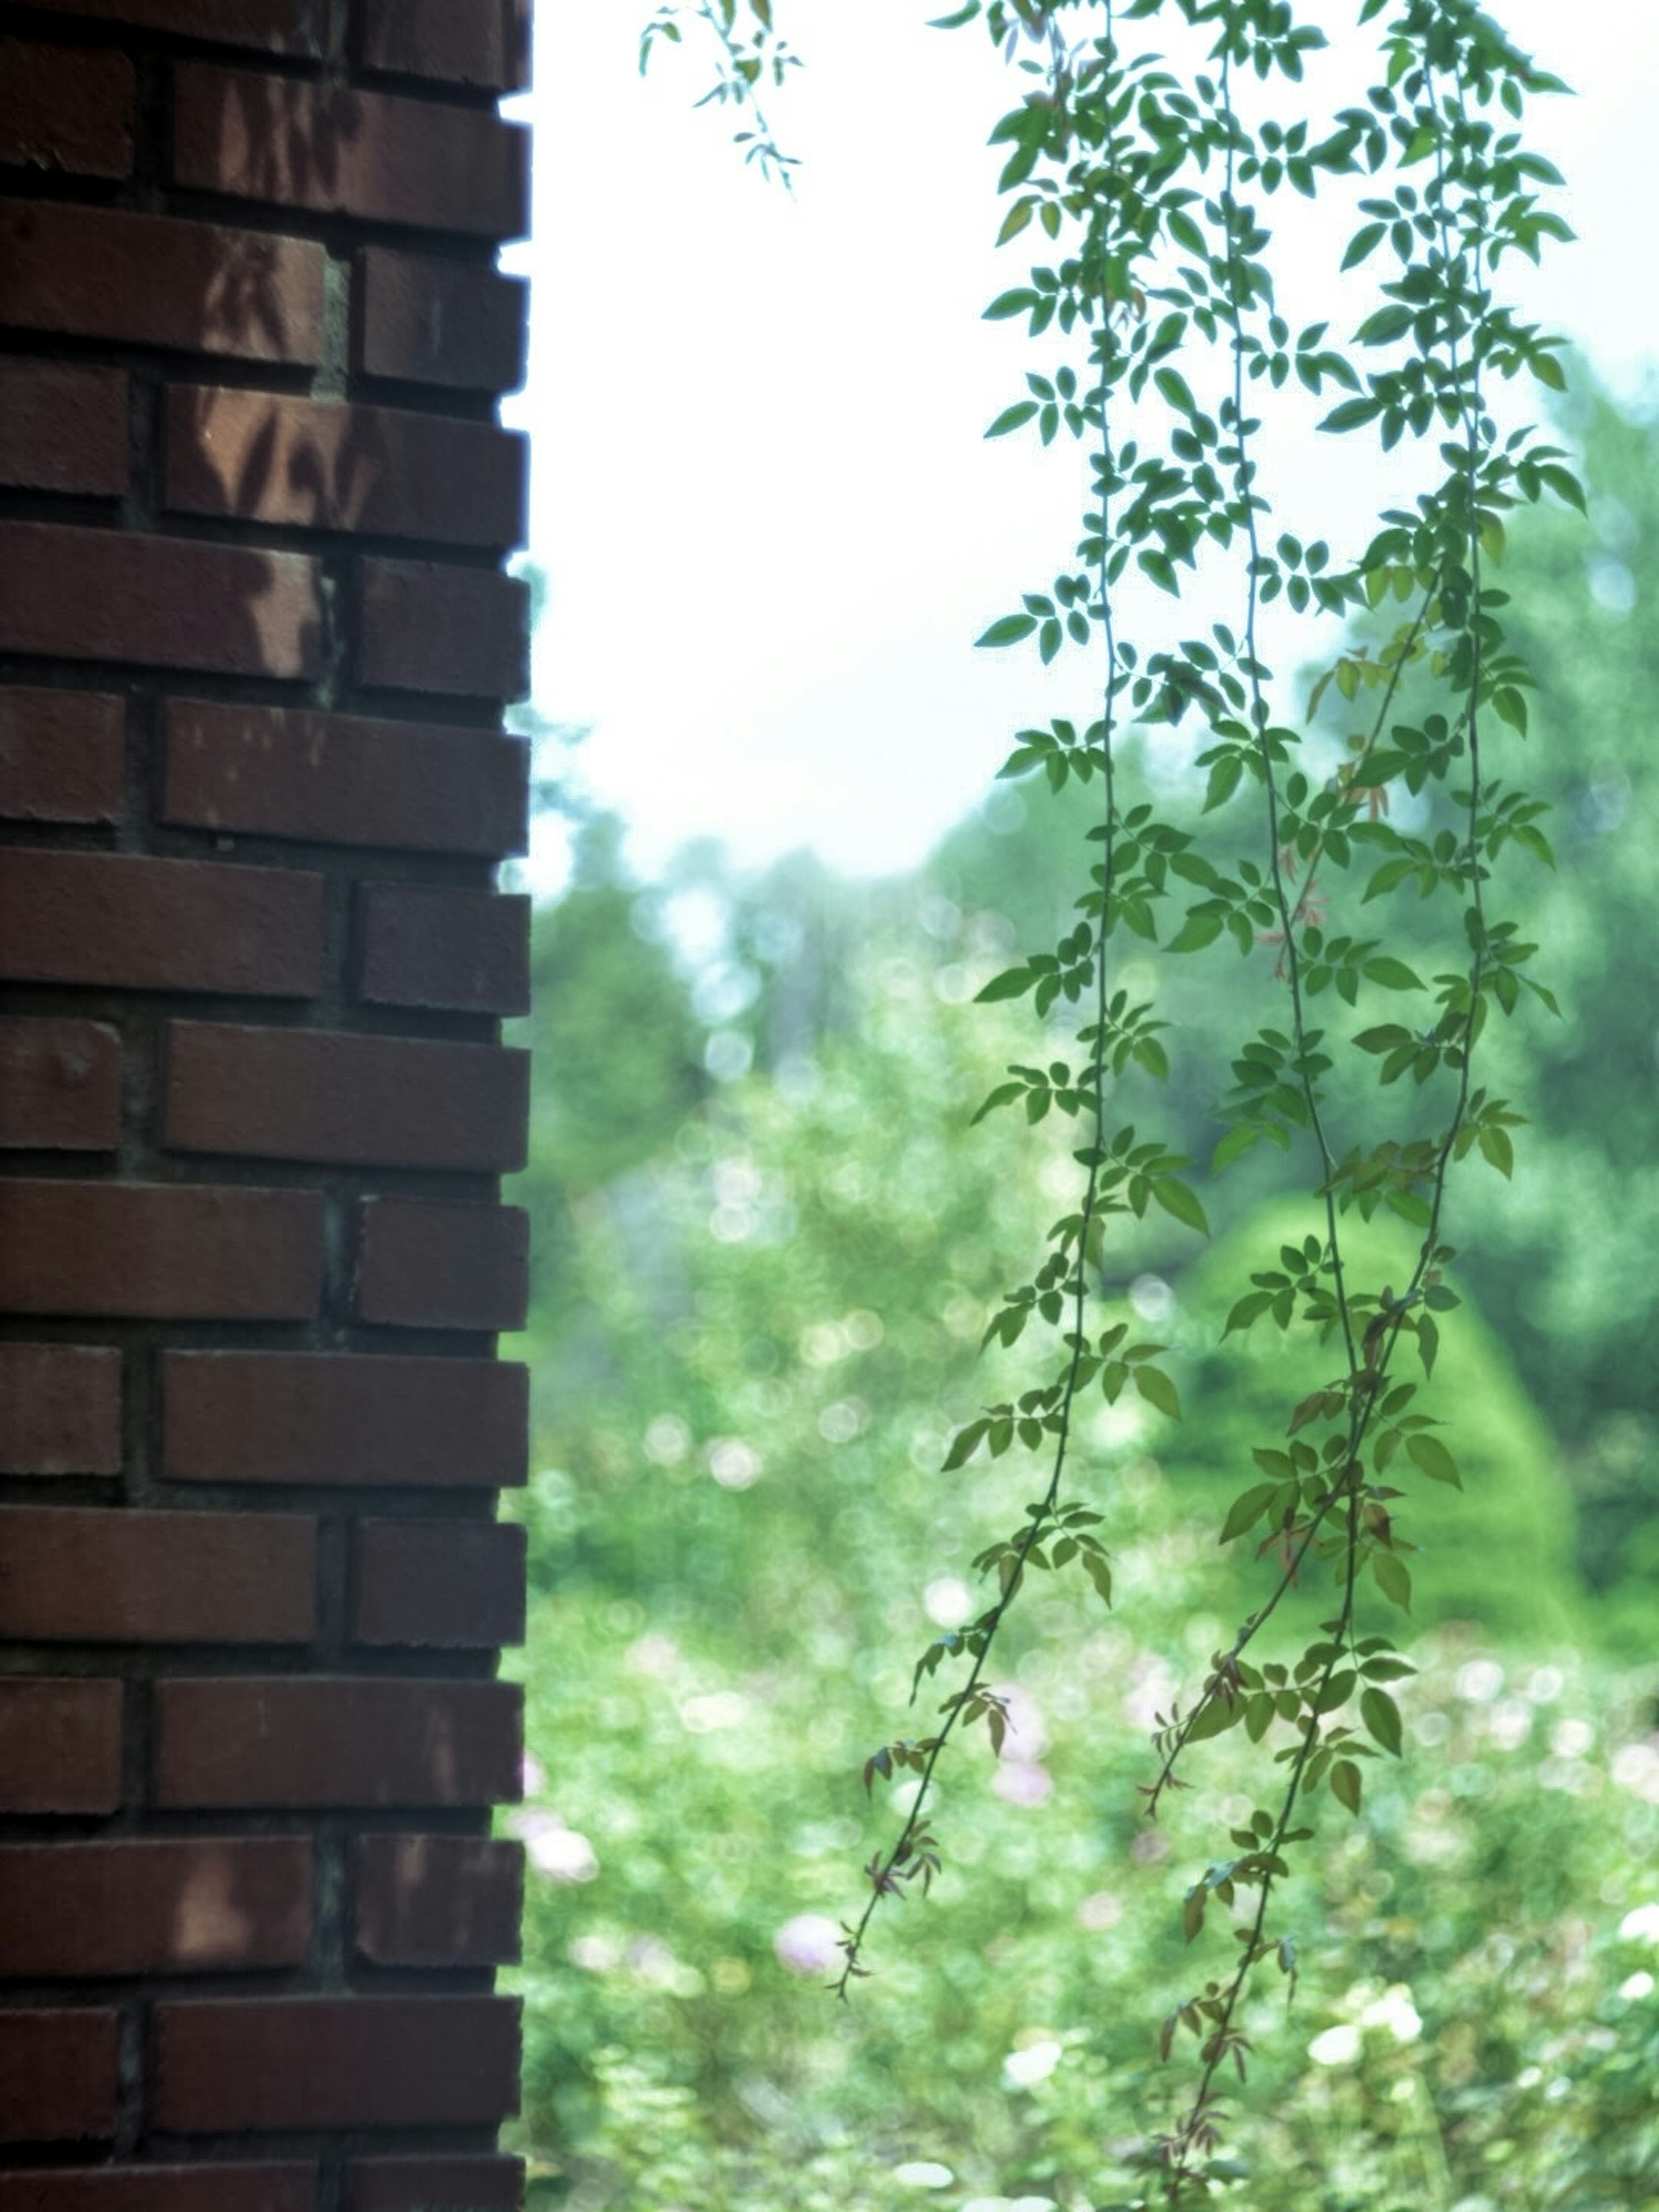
[[1149, 183]]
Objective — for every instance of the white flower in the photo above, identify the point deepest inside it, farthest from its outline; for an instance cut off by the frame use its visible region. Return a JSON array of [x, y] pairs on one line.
[[1394, 2010], [1641, 1926], [1636, 1986], [808, 1944], [923, 2173], [1336, 2046], [1024, 2069], [559, 1853]]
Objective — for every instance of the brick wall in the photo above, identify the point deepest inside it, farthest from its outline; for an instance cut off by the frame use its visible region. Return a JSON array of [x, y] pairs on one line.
[[254, 643]]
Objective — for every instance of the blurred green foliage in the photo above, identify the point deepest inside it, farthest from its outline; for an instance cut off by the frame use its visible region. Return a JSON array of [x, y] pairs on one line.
[[768, 1242]]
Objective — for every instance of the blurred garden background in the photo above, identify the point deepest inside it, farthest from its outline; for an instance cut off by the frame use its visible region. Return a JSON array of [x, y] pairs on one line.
[[766, 1243]]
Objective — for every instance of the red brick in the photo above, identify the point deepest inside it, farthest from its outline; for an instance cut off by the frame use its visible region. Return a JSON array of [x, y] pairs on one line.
[[428, 629], [110, 1575], [150, 925], [62, 429], [61, 755], [280, 27], [197, 1907], [438, 1900], [421, 321], [485, 44], [161, 602], [60, 1085], [60, 1409], [316, 464], [465, 950], [339, 151], [65, 109], [58, 2075], [159, 1252], [153, 280], [336, 1418], [202, 2188], [439, 1582], [60, 1745], [317, 1095], [266, 1742], [246, 2063], [339, 780], [430, 2184], [423, 1265]]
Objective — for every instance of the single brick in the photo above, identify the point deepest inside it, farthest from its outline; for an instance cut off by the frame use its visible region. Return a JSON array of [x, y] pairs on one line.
[[107, 1575], [487, 46], [280, 27], [340, 151], [369, 1101], [60, 1744], [423, 1265], [161, 602], [422, 628], [207, 2187], [340, 780], [287, 1743], [438, 1901], [228, 2064], [58, 2074], [430, 2184], [60, 1085], [60, 1409], [62, 429], [148, 925], [316, 464], [340, 1419], [439, 1582], [202, 1906], [159, 1252], [465, 950], [65, 107], [421, 321], [61, 755], [152, 280]]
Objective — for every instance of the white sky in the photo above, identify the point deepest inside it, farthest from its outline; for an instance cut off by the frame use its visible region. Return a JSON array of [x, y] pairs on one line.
[[760, 488]]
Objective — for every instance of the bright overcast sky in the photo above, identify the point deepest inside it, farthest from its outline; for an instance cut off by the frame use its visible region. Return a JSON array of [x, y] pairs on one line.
[[760, 491]]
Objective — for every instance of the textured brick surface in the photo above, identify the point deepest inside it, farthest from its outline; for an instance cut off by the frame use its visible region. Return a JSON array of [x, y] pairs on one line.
[[62, 429], [58, 2074], [486, 46], [207, 1906], [160, 602], [423, 1265], [65, 109], [465, 950], [209, 2187], [100, 1575], [421, 321], [160, 925], [320, 466], [428, 628], [282, 27], [159, 1252], [368, 154], [60, 756], [341, 779], [439, 1582], [151, 281], [317, 1095], [60, 1085], [438, 1901], [337, 1419], [343, 1741], [324, 2061], [60, 1745], [60, 1409]]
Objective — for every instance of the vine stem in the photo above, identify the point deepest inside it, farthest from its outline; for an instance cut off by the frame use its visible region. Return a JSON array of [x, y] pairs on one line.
[[890, 1871]]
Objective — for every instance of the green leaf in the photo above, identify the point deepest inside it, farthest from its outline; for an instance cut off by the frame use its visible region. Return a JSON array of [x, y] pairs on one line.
[[1176, 1198], [1345, 1784], [1155, 1388], [1393, 975], [1382, 1717], [1247, 1509], [1012, 418], [1012, 983], [1496, 1148], [1194, 933], [1435, 1461], [1393, 1579], [1174, 387], [966, 1442], [1009, 303], [1008, 631]]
